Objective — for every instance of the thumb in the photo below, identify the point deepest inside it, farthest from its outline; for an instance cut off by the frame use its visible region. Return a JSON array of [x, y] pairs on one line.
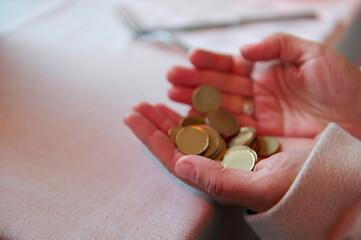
[[226, 185], [281, 46]]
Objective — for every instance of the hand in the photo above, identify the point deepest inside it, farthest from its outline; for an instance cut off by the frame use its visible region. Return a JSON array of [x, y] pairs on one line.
[[306, 87], [257, 190]]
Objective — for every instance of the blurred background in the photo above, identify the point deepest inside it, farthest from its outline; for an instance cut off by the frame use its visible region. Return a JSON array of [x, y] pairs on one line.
[[336, 21]]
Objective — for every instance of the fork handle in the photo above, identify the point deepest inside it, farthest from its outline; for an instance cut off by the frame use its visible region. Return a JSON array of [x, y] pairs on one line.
[[239, 21]]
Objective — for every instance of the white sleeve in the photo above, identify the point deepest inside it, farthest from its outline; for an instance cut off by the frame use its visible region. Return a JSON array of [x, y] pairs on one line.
[[324, 202]]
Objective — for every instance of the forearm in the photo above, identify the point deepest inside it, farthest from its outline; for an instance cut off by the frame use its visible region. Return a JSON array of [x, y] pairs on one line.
[[318, 202]]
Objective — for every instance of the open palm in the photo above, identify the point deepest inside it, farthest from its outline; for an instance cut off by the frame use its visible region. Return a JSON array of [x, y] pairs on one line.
[[306, 87], [258, 190]]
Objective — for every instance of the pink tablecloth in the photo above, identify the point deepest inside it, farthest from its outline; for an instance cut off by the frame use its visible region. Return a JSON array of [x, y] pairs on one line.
[[69, 168]]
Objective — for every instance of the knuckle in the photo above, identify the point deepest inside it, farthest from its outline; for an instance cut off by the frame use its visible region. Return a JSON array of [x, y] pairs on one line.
[[321, 49], [281, 35], [214, 186]]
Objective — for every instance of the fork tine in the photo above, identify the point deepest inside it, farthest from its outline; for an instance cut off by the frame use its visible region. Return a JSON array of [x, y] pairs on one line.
[[134, 18], [133, 22], [128, 20]]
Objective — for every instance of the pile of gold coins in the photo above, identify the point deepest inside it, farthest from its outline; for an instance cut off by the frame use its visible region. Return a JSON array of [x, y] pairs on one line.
[[218, 135]]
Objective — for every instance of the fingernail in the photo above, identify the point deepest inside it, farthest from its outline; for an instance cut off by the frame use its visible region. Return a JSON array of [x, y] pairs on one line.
[[187, 170], [126, 118]]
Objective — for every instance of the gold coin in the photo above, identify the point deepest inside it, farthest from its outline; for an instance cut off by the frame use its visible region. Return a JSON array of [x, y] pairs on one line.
[[243, 147], [224, 122], [238, 147], [268, 146], [248, 107], [245, 136], [241, 159], [223, 150], [255, 156], [173, 131], [255, 145], [192, 120], [214, 141], [219, 149], [192, 140], [206, 98]]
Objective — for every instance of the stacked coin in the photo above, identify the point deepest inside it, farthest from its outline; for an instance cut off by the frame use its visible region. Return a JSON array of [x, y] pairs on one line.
[[206, 99], [240, 157], [247, 136], [206, 136], [198, 139], [246, 147]]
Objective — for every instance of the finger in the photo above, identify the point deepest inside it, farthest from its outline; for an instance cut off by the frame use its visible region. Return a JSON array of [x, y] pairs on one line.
[[181, 94], [155, 140], [226, 185], [247, 121], [280, 46], [155, 116], [193, 111], [169, 113], [230, 102], [202, 59], [228, 83], [244, 120]]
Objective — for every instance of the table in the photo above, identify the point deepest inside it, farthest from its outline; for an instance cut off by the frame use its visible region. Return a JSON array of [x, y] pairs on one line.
[[69, 167]]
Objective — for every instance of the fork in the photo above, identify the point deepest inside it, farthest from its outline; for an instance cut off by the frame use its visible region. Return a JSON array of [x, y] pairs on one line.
[[132, 21]]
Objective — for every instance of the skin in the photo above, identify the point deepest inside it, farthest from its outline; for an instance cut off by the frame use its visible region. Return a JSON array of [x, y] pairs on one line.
[[304, 87], [294, 101]]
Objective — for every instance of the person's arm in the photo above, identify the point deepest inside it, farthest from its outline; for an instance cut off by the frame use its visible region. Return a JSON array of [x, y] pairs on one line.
[[324, 202]]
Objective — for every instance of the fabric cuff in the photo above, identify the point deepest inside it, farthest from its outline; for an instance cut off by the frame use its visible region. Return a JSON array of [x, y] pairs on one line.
[[327, 185]]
